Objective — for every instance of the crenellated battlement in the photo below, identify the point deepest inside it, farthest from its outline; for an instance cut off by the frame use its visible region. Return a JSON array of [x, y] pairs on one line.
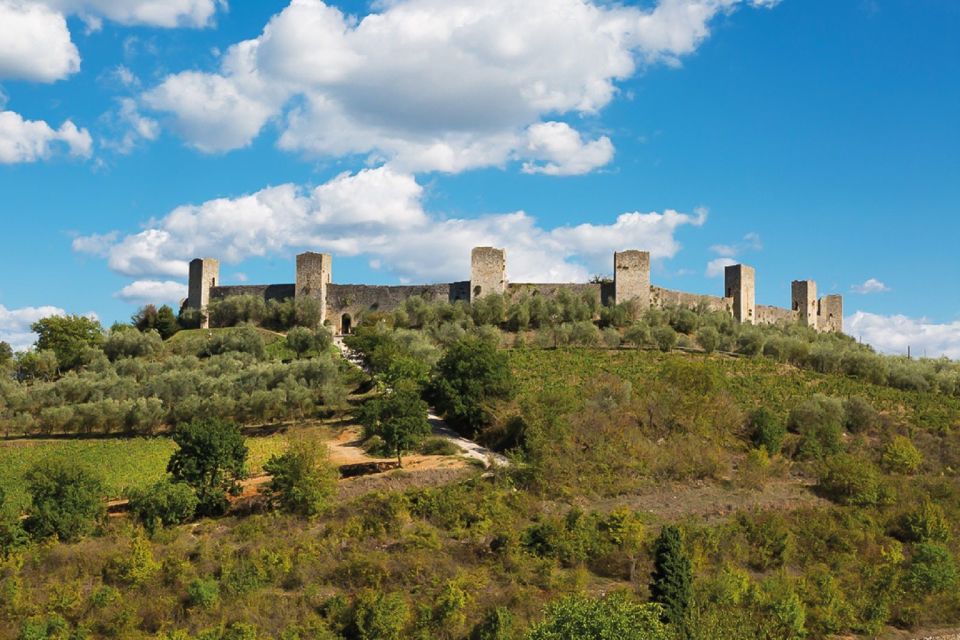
[[344, 304]]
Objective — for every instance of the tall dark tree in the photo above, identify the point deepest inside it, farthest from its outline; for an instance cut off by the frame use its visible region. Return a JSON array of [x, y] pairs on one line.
[[470, 376], [167, 324], [68, 337], [672, 576], [6, 354], [211, 459], [145, 318]]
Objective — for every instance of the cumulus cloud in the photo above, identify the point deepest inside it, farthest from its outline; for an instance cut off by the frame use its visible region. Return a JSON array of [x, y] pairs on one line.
[[434, 84], [378, 213], [15, 324], [153, 292], [871, 285], [130, 128], [716, 267], [31, 140], [35, 43], [893, 334], [727, 253]]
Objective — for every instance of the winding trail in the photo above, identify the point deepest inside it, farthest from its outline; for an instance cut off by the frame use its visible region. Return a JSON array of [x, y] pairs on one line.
[[469, 448]]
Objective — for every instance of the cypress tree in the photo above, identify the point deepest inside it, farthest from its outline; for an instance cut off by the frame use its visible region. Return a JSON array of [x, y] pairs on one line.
[[672, 577]]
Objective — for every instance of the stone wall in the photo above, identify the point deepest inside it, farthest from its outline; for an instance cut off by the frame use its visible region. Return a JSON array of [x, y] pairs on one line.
[[660, 298], [515, 290], [773, 315], [352, 301], [265, 291]]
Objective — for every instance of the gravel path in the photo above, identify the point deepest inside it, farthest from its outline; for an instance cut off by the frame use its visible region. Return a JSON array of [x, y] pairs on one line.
[[469, 448]]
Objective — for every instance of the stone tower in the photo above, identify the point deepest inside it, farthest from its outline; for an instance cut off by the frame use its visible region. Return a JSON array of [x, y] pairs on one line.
[[740, 283], [803, 294], [631, 278], [314, 273], [830, 313], [488, 272], [204, 274]]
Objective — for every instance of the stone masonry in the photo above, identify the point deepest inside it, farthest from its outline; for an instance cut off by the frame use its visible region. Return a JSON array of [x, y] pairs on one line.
[[344, 305]]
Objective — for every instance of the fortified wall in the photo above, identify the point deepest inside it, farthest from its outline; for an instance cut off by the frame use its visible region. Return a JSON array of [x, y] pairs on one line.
[[344, 305]]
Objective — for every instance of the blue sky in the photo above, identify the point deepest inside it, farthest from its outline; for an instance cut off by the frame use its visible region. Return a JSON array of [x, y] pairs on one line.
[[807, 138]]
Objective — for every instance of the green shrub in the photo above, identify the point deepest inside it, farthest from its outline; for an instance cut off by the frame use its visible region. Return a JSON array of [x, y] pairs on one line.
[[614, 616], [497, 624], [819, 421], [302, 480], [203, 593], [638, 335], [932, 569], [850, 480], [211, 458], [769, 538], [66, 500], [438, 447], [750, 342], [859, 414], [767, 430], [901, 456], [709, 338], [664, 337], [378, 616], [925, 523], [163, 504]]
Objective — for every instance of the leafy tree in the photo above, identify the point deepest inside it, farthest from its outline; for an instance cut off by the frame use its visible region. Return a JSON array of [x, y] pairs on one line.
[[672, 577], [378, 616], [399, 418], [900, 455], [303, 480], [66, 500], [300, 340], [167, 324], [819, 421], [925, 523], [497, 624], [210, 459], [132, 344], [766, 430], [145, 318], [203, 593], [36, 365], [850, 480], [709, 338], [859, 414], [470, 376], [665, 337], [932, 569], [6, 354], [68, 337], [163, 504], [614, 616]]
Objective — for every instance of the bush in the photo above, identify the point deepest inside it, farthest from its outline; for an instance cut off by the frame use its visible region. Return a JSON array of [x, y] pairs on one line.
[[664, 337], [926, 523], [614, 616], [750, 342], [932, 569], [438, 447], [132, 344], [901, 456], [611, 338], [709, 338], [303, 479], [819, 421], [859, 414], [767, 431], [850, 480], [163, 504], [203, 593], [66, 500], [378, 616], [300, 340], [497, 624]]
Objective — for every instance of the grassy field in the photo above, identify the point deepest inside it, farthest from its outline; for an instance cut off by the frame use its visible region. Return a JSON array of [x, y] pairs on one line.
[[122, 462], [751, 381]]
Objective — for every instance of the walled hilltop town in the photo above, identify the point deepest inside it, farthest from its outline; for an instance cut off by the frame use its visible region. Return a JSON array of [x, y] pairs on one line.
[[344, 304]]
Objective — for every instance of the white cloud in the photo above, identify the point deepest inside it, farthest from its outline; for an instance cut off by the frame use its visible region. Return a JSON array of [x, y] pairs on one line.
[[35, 43], [15, 324], [31, 140], [153, 291], [893, 334], [563, 151], [872, 285], [434, 84], [130, 127], [715, 267], [378, 213]]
